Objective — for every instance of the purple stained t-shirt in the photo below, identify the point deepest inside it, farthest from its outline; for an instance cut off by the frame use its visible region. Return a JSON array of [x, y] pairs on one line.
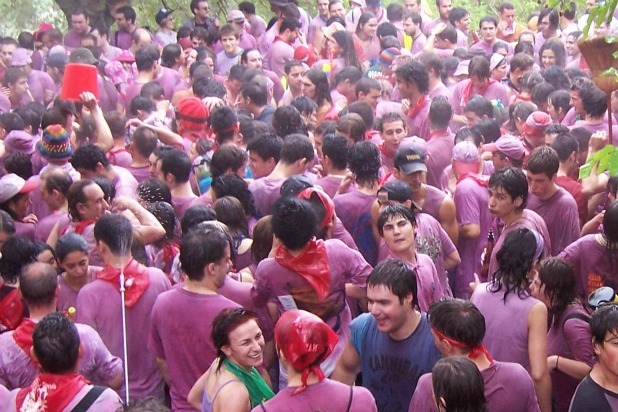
[[98, 305], [354, 210], [45, 225], [592, 263], [265, 193], [68, 296], [183, 341], [528, 220], [97, 364], [506, 344], [561, 216], [39, 82], [439, 155], [471, 208], [508, 387], [569, 337], [124, 182], [327, 395]]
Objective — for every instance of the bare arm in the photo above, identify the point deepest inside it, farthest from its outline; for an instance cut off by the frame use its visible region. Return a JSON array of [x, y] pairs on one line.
[[452, 261], [470, 231], [117, 380], [165, 135], [348, 366], [104, 135], [150, 229], [196, 394], [537, 352], [447, 218], [574, 368]]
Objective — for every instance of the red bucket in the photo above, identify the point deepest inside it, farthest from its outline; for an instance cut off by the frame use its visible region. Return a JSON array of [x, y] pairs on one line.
[[79, 78]]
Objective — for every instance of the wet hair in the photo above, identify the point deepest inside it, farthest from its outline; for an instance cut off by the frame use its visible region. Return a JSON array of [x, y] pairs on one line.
[[108, 188], [560, 99], [365, 162], [363, 19], [560, 282], [200, 247], [513, 181], [87, 156], [296, 147], [604, 321], [228, 157], [469, 134], [153, 190], [489, 130], [169, 54], [262, 239], [364, 110], [521, 61], [322, 92], [458, 385], [544, 160], [556, 76], [231, 212], [55, 342], [594, 100], [196, 215], [287, 120], [71, 242], [480, 106], [266, 145], [223, 324], [367, 84], [564, 144], [116, 232], [178, 163], [304, 105], [398, 277], [554, 17], [456, 14], [17, 253], [414, 72], [30, 117], [395, 211], [223, 121], [165, 214], [19, 164], [353, 125], [11, 121], [557, 47], [336, 148], [294, 223], [459, 320], [386, 29], [440, 112], [541, 92], [515, 259], [232, 185]]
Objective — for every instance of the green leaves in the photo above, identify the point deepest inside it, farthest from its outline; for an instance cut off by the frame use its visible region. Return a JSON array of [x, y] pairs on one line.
[[604, 160]]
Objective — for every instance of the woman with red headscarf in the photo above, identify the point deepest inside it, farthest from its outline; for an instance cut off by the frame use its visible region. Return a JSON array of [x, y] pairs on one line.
[[303, 342]]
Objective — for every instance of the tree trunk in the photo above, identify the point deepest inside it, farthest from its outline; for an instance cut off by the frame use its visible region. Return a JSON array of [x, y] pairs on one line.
[[98, 10]]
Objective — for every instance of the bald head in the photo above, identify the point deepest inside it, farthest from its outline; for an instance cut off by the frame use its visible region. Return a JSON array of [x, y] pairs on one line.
[[38, 283], [140, 38]]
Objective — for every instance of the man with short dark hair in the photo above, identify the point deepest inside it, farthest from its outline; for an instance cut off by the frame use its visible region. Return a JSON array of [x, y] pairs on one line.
[[393, 342], [125, 17], [487, 27], [18, 367], [553, 203], [176, 169], [458, 329], [201, 13], [282, 50], [80, 26], [205, 259], [441, 140], [444, 8], [56, 346], [508, 196], [254, 96], [508, 29], [566, 147], [413, 84], [99, 304]]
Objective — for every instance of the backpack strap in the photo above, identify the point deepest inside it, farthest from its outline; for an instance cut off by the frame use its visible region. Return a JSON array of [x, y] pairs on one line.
[[575, 315], [87, 401], [350, 400]]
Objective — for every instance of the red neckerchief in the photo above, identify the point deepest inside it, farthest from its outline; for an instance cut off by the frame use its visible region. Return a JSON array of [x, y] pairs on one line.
[[136, 280], [383, 151], [482, 180], [111, 155], [50, 393], [23, 338], [385, 178], [370, 133], [11, 309], [474, 353], [413, 111], [170, 250], [435, 133], [81, 226], [278, 38], [311, 265], [467, 94]]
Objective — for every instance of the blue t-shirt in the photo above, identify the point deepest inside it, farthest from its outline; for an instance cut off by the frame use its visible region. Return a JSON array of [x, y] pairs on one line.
[[391, 368]]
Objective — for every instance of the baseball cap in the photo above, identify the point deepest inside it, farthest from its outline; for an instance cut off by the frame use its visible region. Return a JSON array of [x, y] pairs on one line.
[[235, 16], [293, 185], [11, 185], [396, 190], [162, 14], [536, 124], [495, 60], [462, 68], [56, 60], [82, 55], [466, 157], [511, 146], [21, 57], [410, 160]]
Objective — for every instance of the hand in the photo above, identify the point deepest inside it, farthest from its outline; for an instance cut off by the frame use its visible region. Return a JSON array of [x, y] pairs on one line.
[[405, 105], [122, 203], [30, 219], [6, 91], [439, 28], [598, 141], [502, 25], [135, 122], [473, 285], [49, 95], [212, 102], [317, 169], [346, 182], [163, 106], [89, 100], [551, 362]]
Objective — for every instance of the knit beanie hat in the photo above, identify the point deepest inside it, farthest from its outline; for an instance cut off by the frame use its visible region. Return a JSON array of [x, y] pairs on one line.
[[192, 115], [55, 143]]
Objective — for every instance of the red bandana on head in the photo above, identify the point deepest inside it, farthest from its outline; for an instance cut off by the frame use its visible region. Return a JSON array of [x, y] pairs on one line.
[[311, 264], [50, 393], [475, 350], [136, 280]]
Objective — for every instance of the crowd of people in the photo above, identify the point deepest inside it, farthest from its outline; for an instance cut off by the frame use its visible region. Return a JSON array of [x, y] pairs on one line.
[[365, 210]]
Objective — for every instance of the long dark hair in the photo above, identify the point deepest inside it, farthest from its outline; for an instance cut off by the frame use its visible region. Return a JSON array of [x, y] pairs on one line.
[[458, 385], [319, 79], [560, 284], [348, 52], [515, 259]]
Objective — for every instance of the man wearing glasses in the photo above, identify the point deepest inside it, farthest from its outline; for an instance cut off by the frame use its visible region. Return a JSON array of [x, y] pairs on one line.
[[201, 10]]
